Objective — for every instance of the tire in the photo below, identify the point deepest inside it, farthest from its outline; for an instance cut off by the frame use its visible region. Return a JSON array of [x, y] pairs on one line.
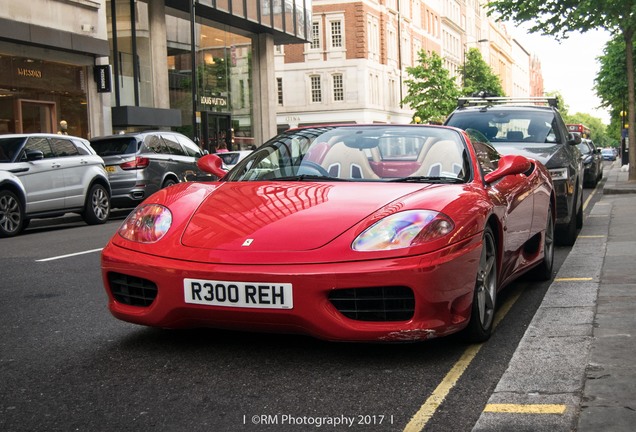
[[566, 236], [168, 182], [484, 304], [579, 216], [11, 214], [543, 271], [97, 207]]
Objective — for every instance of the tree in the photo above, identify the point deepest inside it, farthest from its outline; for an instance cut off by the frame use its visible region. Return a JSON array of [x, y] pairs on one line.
[[560, 17], [432, 93], [477, 76], [611, 84]]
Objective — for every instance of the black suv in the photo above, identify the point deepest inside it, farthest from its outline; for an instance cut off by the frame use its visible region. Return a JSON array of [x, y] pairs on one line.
[[534, 128]]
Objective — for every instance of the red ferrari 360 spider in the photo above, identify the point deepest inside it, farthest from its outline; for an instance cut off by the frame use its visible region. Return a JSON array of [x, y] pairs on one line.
[[351, 233]]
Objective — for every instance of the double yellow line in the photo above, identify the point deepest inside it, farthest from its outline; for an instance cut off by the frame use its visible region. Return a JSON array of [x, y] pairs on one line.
[[428, 409]]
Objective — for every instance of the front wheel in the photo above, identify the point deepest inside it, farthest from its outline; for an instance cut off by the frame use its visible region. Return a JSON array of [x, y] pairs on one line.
[[485, 295], [11, 214], [97, 207]]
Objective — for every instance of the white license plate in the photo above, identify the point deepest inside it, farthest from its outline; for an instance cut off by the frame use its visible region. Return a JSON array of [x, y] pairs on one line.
[[263, 295]]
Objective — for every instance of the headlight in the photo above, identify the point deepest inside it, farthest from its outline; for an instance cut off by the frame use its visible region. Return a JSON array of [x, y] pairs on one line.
[[403, 230], [559, 174], [146, 224]]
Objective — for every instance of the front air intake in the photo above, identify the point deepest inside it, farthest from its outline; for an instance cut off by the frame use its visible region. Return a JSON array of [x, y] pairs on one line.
[[393, 303], [132, 290]]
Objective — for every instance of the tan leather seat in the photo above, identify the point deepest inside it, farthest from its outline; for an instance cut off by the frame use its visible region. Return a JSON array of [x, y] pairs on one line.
[[443, 158], [348, 163]]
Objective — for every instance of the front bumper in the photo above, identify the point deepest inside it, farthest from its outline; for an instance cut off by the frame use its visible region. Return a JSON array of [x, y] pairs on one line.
[[442, 284]]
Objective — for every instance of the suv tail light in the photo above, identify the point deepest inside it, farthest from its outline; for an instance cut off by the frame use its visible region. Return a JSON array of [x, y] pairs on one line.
[[138, 163]]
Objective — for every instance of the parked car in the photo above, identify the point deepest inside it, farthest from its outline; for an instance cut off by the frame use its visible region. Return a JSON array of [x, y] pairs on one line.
[[592, 162], [231, 158], [45, 175], [533, 127], [139, 164], [608, 154], [358, 233]]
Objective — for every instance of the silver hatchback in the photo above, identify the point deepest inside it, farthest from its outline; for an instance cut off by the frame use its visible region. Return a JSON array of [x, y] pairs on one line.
[[46, 175], [139, 164]]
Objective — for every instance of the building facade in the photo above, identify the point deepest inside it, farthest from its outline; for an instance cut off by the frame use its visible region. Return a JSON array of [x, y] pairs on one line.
[[354, 67], [47, 71], [203, 67]]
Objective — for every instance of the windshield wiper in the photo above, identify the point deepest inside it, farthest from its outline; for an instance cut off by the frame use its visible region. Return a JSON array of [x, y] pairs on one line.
[[428, 179], [303, 177]]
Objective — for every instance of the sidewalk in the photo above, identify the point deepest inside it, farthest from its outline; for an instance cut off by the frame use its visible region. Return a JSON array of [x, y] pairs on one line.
[[575, 367]]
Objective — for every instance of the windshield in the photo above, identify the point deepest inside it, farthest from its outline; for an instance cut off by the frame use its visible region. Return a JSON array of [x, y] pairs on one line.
[[359, 153], [513, 126], [9, 147]]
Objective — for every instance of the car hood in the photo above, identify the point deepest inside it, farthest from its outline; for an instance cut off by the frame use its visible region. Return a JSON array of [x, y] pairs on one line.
[[286, 216], [550, 155]]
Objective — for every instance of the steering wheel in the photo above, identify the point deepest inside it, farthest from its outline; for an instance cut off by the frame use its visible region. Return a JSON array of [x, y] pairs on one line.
[[312, 168]]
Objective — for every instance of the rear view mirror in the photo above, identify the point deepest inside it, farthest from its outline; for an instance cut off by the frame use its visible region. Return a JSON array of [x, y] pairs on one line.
[[509, 165], [212, 164]]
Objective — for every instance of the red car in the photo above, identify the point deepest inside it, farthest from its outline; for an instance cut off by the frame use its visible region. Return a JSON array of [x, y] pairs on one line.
[[345, 233]]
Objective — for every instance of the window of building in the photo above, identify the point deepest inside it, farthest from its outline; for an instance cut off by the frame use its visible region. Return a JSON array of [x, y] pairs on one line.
[[373, 34], [315, 35], [279, 90], [316, 89], [338, 87], [336, 34], [392, 44]]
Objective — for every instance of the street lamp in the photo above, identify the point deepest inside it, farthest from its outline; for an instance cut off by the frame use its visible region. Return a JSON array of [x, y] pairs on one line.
[[464, 64]]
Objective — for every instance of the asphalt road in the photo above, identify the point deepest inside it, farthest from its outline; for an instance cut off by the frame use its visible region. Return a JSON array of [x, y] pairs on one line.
[[67, 364]]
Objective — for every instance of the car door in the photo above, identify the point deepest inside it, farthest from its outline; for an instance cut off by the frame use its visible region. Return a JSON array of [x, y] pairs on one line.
[[74, 166], [516, 193], [184, 165], [160, 162], [194, 153], [40, 173]]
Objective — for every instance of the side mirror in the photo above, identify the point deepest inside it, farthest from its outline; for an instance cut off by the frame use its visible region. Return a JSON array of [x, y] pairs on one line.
[[33, 155], [574, 138], [509, 165], [212, 164]]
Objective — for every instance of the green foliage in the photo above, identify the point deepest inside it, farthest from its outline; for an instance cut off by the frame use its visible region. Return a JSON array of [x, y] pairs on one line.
[[611, 81], [477, 76], [560, 17], [561, 105], [432, 92]]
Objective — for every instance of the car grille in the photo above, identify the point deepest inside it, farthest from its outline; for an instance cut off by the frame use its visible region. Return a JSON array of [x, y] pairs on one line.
[[374, 304], [131, 290]]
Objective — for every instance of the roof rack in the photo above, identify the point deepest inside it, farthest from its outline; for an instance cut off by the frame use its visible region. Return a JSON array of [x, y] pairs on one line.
[[488, 101]]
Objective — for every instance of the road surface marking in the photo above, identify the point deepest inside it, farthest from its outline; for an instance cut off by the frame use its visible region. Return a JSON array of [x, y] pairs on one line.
[[428, 409], [526, 408], [68, 255]]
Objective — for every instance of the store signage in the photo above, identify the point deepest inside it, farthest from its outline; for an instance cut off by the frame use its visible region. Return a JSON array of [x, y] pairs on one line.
[[102, 78], [213, 100], [30, 73]]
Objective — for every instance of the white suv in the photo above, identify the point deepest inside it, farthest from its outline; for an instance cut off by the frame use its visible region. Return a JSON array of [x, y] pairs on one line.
[[46, 175]]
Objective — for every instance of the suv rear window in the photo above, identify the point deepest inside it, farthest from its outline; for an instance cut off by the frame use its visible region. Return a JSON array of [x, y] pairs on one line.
[[115, 146]]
